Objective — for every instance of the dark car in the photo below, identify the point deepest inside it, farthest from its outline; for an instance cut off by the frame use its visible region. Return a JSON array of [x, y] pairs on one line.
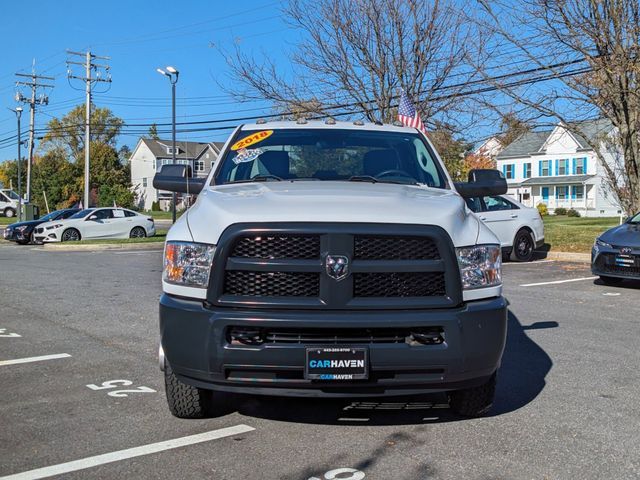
[[616, 253], [22, 232]]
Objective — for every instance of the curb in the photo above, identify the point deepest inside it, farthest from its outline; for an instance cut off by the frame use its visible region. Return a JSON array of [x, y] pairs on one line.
[[70, 247], [568, 256]]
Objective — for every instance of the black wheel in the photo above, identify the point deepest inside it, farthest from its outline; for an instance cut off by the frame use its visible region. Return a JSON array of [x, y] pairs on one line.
[[473, 402], [23, 242], [71, 235], [137, 232], [610, 280], [186, 401], [9, 212], [523, 246]]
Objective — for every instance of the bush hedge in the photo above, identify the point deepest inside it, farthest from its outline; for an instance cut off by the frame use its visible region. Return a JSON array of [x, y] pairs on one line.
[[542, 209], [573, 213], [560, 211]]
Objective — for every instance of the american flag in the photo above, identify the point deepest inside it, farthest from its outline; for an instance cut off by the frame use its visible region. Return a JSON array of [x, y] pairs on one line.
[[408, 114]]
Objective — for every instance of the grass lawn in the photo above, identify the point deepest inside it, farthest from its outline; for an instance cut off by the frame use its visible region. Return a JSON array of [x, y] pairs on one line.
[[567, 234], [7, 221], [163, 215], [160, 236]]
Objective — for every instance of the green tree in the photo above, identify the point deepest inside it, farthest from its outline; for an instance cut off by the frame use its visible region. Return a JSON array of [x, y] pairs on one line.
[[54, 175], [451, 151], [121, 196], [153, 131], [68, 132]]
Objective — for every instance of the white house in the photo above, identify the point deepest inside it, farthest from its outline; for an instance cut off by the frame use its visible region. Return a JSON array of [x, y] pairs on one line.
[[559, 169], [491, 147], [149, 154]]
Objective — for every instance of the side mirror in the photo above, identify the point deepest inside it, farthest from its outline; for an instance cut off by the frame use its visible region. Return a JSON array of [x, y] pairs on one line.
[[179, 179], [92, 217], [483, 182]]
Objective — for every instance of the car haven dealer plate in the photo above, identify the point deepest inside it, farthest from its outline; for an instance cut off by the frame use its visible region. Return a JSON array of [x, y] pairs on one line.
[[337, 363]]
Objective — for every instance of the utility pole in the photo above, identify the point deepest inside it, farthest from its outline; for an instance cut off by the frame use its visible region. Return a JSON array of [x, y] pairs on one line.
[[18, 112], [89, 80], [34, 83]]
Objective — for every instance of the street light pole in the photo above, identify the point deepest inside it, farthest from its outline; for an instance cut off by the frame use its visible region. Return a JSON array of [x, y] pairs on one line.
[[172, 74], [18, 112]]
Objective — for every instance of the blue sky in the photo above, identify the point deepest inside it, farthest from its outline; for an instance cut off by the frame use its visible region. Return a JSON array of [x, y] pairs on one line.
[[139, 37]]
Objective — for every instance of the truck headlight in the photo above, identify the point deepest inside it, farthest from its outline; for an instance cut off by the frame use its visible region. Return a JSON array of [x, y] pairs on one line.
[[188, 263], [480, 266]]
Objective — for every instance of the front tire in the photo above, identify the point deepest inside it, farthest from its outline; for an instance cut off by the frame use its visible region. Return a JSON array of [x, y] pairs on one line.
[[523, 246], [474, 402], [71, 235], [187, 401], [610, 280], [9, 212]]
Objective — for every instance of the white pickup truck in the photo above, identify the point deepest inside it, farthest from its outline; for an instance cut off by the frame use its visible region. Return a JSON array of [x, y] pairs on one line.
[[330, 259]]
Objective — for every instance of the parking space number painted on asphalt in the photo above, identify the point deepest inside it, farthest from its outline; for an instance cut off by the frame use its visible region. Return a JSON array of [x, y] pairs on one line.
[[8, 335], [120, 383], [341, 474]]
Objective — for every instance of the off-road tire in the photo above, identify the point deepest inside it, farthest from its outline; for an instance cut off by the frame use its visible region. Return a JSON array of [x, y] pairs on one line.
[[523, 246], [186, 401], [610, 280], [9, 212], [474, 402]]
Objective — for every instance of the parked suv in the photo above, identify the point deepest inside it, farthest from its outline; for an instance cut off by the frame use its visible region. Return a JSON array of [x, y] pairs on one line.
[[330, 259], [519, 228]]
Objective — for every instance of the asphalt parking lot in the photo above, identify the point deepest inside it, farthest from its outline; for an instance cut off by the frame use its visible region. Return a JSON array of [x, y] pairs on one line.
[[82, 395]]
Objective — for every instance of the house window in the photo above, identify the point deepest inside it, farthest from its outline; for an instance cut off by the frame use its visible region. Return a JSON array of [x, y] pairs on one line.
[[578, 192], [581, 165], [561, 193], [563, 167], [527, 170], [199, 164], [144, 182], [213, 162], [545, 168], [508, 171]]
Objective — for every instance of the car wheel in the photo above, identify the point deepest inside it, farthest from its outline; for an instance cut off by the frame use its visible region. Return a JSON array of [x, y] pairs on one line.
[[610, 280], [474, 402], [71, 235], [23, 242], [187, 401], [523, 246], [137, 232], [9, 212]]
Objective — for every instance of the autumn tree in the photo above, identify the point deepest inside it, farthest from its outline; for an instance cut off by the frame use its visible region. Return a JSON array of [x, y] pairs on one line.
[[355, 56], [589, 53]]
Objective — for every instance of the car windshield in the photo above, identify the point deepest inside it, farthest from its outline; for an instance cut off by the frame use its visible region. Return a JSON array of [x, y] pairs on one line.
[[330, 155], [11, 194], [51, 216], [82, 213], [635, 219]]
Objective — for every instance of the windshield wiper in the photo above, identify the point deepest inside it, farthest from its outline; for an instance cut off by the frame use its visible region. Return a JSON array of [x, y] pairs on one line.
[[369, 178], [258, 178]]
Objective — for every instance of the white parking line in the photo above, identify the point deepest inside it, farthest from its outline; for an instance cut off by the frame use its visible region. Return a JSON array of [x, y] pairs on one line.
[[33, 359], [119, 455], [558, 281]]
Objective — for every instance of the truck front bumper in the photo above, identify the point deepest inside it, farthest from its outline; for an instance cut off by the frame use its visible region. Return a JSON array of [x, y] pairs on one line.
[[196, 344]]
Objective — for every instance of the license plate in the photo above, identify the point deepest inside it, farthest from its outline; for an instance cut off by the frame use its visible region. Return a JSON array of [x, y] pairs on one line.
[[337, 363], [625, 261]]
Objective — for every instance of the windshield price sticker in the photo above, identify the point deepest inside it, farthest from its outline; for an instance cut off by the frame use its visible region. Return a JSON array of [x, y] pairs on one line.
[[251, 139], [247, 155]]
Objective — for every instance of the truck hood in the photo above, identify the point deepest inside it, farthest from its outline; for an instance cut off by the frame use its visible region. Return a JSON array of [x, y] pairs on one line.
[[325, 201]]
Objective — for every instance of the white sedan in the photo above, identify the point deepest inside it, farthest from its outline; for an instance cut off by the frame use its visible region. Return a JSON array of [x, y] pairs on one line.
[[97, 223], [519, 228]]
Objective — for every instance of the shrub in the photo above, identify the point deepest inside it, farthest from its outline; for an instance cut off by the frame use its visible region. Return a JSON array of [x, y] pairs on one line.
[[560, 211], [542, 209], [155, 206], [573, 213]]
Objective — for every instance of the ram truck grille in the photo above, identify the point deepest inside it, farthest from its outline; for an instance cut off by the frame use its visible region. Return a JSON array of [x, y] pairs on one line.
[[287, 266]]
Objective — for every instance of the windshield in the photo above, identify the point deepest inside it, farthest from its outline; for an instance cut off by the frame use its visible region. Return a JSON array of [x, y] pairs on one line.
[[635, 219], [82, 213], [11, 194], [327, 154], [51, 216]]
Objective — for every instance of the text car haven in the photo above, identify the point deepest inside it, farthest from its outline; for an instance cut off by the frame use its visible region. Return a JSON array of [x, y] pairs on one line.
[[336, 364]]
